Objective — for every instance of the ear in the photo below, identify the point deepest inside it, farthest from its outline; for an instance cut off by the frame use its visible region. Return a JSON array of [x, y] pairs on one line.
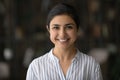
[[48, 29]]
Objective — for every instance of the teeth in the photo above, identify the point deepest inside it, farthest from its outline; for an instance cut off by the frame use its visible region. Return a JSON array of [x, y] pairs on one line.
[[62, 40]]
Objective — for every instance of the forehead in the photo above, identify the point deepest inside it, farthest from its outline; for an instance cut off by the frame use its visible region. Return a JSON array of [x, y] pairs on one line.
[[62, 19]]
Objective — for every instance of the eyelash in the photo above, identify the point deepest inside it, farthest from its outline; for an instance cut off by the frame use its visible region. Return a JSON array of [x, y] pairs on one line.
[[70, 27], [67, 27], [55, 27]]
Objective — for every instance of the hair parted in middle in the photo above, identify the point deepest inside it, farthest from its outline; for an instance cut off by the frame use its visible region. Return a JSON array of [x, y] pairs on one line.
[[63, 8]]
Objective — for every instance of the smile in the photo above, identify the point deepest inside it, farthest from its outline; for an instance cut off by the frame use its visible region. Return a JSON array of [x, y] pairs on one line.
[[63, 40]]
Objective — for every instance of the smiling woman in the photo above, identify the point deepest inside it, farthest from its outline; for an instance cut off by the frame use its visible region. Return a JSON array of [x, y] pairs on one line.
[[63, 32], [64, 61]]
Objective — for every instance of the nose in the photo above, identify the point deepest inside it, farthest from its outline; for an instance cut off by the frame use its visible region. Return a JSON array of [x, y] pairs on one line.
[[62, 33]]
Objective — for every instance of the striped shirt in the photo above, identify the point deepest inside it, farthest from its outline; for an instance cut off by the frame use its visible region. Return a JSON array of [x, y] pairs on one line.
[[47, 67]]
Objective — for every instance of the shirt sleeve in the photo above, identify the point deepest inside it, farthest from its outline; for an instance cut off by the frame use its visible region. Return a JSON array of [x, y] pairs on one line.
[[31, 72], [96, 71], [99, 74]]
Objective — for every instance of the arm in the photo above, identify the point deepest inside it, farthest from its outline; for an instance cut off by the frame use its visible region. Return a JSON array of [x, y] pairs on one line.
[[98, 74], [31, 73]]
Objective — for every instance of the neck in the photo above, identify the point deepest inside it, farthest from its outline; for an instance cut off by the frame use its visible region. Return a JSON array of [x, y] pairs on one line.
[[64, 54]]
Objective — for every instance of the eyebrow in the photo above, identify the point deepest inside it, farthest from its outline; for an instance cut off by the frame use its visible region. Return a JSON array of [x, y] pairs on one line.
[[55, 25], [65, 24], [69, 24]]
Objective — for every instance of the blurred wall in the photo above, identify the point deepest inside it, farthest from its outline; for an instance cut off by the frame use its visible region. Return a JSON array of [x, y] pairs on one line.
[[23, 35]]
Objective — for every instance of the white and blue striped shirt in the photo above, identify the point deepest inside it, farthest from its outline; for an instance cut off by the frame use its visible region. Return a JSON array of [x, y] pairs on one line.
[[47, 67]]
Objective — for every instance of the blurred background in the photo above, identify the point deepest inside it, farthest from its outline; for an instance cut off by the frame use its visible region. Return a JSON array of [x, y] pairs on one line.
[[23, 34]]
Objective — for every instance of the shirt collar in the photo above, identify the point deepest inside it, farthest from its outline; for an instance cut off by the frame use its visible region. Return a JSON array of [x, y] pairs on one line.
[[76, 58], [54, 58]]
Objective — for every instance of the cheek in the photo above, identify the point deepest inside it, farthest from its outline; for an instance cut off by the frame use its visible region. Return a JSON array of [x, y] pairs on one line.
[[52, 36], [73, 33], [75, 37]]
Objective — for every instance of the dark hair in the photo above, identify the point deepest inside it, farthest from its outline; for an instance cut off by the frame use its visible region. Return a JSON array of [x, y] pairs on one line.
[[63, 8]]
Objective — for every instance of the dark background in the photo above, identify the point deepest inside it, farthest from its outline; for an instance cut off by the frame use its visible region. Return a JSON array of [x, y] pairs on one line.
[[23, 34]]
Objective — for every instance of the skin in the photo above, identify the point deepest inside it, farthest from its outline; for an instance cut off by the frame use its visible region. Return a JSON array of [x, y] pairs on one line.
[[63, 34]]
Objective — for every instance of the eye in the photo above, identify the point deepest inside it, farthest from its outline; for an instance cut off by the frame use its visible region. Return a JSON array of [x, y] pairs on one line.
[[69, 26], [55, 27]]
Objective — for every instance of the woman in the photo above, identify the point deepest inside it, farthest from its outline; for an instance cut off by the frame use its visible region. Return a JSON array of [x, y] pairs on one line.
[[64, 61]]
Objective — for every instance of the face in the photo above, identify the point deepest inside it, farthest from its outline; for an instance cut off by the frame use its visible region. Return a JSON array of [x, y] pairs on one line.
[[63, 31]]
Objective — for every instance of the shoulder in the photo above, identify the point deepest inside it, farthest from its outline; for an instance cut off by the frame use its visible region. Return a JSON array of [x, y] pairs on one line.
[[39, 61], [88, 62], [89, 66], [87, 59], [36, 66]]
